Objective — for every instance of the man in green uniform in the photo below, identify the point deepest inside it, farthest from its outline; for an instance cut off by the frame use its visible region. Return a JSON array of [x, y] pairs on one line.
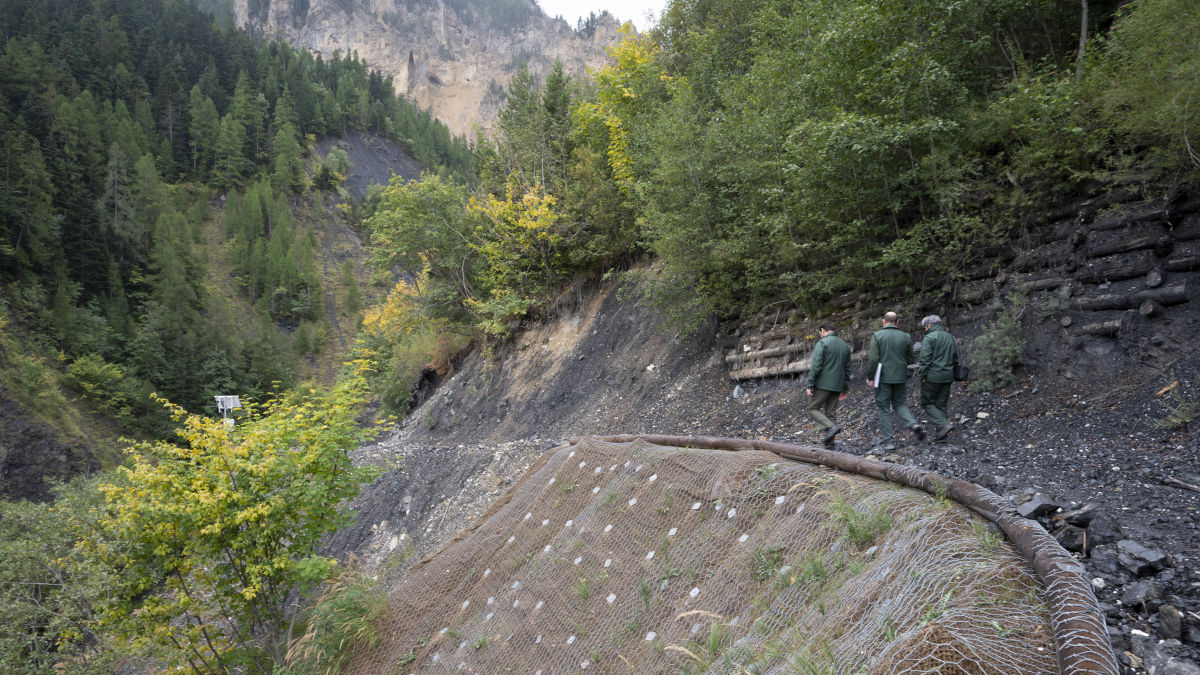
[[828, 379], [939, 356], [887, 371]]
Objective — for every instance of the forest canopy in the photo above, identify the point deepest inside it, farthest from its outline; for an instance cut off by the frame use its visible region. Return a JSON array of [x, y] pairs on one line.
[[765, 152], [122, 122]]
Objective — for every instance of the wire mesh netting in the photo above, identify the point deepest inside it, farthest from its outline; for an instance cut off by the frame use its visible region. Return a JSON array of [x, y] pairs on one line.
[[634, 557]]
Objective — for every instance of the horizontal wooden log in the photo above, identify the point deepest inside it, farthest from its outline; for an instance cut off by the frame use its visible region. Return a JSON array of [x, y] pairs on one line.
[[1144, 237], [1165, 295], [1043, 284], [1102, 328], [783, 332], [1114, 194], [1042, 257], [843, 301], [1185, 258], [1131, 213], [1118, 267], [972, 292], [782, 350], [1058, 232], [791, 368]]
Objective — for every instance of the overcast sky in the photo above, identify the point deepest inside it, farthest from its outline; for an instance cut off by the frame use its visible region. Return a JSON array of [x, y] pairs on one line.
[[625, 10]]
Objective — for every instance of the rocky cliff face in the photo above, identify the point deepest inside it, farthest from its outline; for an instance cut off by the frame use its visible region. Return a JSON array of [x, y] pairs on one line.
[[454, 57]]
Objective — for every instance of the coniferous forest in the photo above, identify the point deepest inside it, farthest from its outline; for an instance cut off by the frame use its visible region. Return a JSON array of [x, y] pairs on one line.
[[122, 122], [157, 247]]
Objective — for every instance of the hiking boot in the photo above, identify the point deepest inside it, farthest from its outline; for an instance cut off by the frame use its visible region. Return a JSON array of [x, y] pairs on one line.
[[888, 447], [941, 432], [831, 432], [918, 432]]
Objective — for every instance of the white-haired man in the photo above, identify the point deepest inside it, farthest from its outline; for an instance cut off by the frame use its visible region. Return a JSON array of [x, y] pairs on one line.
[[939, 356]]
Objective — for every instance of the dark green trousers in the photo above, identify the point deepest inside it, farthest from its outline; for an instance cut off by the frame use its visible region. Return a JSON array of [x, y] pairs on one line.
[[822, 406], [935, 399], [889, 397]]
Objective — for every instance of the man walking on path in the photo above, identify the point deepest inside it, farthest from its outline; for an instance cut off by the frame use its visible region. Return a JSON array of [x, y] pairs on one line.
[[939, 356], [887, 371], [828, 380]]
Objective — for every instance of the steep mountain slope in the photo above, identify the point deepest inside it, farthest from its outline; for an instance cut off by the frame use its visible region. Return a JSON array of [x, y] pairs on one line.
[[453, 57], [1080, 439]]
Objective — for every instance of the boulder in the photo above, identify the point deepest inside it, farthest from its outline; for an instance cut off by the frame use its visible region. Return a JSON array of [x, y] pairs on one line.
[[1139, 559], [1104, 558], [1103, 529], [1142, 595], [1079, 517], [1180, 666], [1071, 538], [1170, 622], [1038, 506]]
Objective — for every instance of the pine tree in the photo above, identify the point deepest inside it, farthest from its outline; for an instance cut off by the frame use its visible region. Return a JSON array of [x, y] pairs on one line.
[[27, 232], [204, 130], [116, 203], [288, 167], [230, 162]]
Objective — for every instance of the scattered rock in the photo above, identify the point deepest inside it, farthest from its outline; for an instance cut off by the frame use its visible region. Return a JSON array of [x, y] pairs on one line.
[[1192, 634], [1139, 559], [1105, 558], [1040, 505], [1103, 529], [1170, 622], [1080, 517], [1178, 666], [989, 481], [1071, 538], [1142, 595]]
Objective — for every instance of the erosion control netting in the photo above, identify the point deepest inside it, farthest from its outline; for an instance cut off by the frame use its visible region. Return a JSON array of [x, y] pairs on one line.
[[635, 557]]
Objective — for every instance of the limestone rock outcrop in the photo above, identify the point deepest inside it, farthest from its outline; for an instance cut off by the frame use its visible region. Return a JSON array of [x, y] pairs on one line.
[[454, 57]]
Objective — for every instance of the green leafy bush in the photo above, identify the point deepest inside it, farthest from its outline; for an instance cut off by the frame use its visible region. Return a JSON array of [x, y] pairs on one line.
[[102, 383], [53, 583], [1149, 84], [1000, 347], [227, 525]]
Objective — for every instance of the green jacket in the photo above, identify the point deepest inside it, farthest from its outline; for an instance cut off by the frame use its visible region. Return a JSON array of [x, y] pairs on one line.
[[830, 368], [893, 348], [939, 355]]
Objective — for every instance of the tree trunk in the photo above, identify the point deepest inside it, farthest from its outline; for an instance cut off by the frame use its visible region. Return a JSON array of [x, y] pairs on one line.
[[1167, 295], [1083, 35]]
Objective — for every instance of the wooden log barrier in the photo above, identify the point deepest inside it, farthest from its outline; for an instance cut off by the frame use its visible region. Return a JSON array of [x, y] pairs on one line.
[[790, 368], [782, 350], [1118, 267], [1150, 308], [1165, 295], [1102, 328], [1154, 241], [1185, 258]]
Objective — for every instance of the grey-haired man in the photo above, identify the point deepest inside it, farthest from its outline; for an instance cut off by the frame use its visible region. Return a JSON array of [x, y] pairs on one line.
[[939, 356]]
